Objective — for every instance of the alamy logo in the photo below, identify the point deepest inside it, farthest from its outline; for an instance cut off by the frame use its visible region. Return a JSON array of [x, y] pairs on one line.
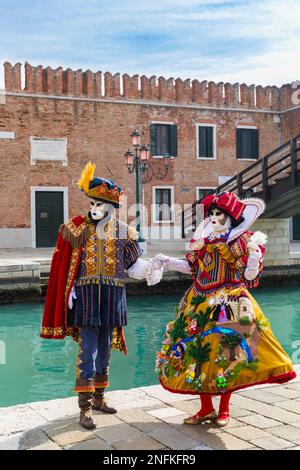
[[2, 352], [296, 354], [296, 93]]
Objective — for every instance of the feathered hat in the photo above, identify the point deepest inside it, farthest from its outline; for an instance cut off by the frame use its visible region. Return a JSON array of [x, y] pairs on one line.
[[99, 188]]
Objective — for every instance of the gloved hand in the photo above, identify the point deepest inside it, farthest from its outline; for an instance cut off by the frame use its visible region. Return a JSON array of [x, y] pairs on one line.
[[160, 260], [253, 247], [172, 264], [254, 259], [71, 297], [253, 262]]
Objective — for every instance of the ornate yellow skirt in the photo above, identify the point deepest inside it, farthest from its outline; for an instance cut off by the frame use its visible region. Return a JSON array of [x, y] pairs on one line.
[[220, 343]]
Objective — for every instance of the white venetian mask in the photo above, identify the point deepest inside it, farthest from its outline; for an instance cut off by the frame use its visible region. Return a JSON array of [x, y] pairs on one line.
[[98, 209], [220, 221]]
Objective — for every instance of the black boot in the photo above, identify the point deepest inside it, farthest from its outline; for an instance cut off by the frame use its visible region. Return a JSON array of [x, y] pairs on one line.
[[98, 402], [85, 404]]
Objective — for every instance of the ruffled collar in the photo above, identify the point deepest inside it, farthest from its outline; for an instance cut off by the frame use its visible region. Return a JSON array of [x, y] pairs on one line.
[[214, 236]]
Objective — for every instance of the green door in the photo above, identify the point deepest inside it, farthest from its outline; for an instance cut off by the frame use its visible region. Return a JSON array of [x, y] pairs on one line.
[[296, 227], [49, 214]]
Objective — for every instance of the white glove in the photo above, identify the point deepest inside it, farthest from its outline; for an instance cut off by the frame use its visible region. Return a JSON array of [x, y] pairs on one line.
[[252, 269], [154, 272], [71, 297], [173, 264], [252, 247], [139, 269], [149, 270]]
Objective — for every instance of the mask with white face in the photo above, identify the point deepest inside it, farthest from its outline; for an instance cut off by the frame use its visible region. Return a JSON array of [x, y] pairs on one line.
[[220, 221], [98, 209]]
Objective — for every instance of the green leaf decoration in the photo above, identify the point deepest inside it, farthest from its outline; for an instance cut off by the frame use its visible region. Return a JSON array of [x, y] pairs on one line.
[[197, 300], [178, 331], [244, 321], [231, 340], [200, 352]]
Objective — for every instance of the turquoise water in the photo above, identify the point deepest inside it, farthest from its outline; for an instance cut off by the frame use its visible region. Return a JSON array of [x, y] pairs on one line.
[[38, 369]]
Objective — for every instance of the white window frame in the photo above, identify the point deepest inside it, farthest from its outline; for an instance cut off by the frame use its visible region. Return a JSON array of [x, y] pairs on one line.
[[169, 123], [163, 222], [214, 126], [33, 190], [246, 159], [202, 187], [197, 197]]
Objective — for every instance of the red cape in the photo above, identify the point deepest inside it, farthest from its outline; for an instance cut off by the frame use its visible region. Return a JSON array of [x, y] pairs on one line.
[[61, 279]]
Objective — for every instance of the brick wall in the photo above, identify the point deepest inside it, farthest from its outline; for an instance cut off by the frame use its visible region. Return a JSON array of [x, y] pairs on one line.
[[97, 112]]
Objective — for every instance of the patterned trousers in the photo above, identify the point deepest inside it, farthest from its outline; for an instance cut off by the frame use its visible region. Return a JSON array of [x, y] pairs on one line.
[[92, 368]]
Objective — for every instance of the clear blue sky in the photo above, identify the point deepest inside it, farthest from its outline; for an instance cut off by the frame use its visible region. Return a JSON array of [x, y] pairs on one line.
[[237, 41]]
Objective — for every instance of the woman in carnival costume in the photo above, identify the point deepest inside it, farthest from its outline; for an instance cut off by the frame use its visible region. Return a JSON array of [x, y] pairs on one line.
[[220, 340]]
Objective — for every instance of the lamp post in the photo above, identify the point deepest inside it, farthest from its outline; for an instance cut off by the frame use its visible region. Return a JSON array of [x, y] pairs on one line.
[[138, 162]]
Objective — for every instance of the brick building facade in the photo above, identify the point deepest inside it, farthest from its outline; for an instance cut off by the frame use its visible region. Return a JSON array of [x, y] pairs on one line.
[[96, 114]]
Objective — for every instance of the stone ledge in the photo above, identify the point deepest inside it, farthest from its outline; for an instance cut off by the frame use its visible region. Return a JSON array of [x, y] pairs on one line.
[[172, 283], [7, 266]]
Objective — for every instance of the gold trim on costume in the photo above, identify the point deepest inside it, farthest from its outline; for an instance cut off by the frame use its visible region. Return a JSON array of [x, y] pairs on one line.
[[52, 331], [71, 273], [110, 248], [117, 342], [74, 229], [103, 192]]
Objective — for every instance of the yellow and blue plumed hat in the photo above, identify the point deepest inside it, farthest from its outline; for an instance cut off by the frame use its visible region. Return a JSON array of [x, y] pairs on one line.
[[99, 188]]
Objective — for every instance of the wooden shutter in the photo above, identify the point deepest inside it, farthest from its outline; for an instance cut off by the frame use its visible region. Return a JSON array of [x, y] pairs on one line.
[[209, 142], [255, 143], [239, 143], [173, 141], [206, 142], [202, 142], [153, 139]]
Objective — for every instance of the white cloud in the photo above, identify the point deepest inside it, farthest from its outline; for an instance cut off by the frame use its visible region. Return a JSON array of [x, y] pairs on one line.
[[237, 41]]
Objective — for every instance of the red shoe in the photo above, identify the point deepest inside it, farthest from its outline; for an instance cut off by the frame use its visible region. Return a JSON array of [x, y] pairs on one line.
[[222, 419], [198, 418]]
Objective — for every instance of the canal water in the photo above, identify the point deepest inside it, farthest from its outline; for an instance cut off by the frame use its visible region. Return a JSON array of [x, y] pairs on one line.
[[37, 369]]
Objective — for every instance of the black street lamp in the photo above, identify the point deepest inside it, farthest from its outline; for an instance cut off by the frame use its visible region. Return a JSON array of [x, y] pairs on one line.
[[138, 163]]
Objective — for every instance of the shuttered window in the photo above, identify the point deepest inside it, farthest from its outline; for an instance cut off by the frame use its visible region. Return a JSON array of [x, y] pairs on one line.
[[163, 140], [247, 144], [163, 203], [206, 142], [203, 192]]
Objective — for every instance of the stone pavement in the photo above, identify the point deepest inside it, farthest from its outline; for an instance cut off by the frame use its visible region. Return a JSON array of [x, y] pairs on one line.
[[150, 418]]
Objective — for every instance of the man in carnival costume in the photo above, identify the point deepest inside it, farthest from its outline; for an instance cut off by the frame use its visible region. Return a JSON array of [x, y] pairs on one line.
[[86, 296], [228, 341]]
